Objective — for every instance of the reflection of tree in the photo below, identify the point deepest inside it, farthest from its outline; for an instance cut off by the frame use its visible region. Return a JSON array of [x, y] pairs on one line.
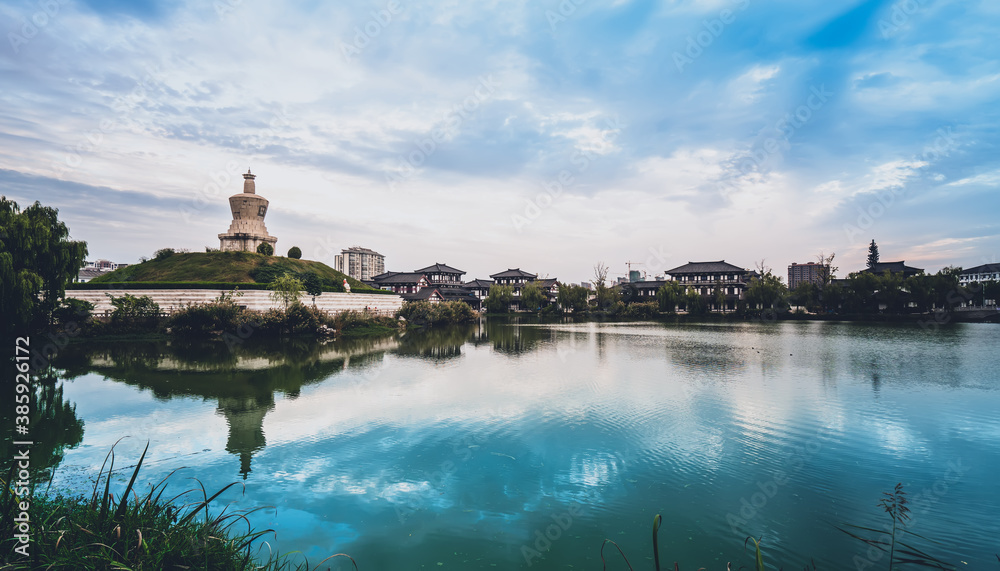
[[509, 338], [435, 342], [54, 427]]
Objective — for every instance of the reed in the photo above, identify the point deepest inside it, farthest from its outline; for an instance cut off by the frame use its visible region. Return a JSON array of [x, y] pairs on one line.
[[133, 531]]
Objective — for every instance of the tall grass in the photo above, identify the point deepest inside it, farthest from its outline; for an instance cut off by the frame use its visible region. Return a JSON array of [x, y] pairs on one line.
[[129, 531]]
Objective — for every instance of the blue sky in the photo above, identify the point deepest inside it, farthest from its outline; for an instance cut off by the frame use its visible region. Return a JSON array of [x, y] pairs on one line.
[[490, 135]]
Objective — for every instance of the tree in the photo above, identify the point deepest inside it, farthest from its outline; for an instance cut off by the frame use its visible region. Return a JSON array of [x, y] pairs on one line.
[[766, 291], [669, 296], [266, 249], [499, 298], [719, 297], [286, 289], [573, 297], [604, 298], [827, 271], [532, 296], [163, 253], [313, 284], [295, 252], [872, 254], [37, 260]]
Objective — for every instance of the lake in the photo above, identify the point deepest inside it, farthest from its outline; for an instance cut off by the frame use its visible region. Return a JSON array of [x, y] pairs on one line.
[[509, 445]]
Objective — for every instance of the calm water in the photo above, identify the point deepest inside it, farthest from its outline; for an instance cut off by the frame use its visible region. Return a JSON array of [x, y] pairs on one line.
[[459, 449]]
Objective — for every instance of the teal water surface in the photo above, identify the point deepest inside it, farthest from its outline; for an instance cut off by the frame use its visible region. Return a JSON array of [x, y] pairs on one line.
[[463, 448]]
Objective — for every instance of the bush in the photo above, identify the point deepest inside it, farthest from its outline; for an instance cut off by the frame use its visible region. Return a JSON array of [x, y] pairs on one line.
[[642, 310], [425, 313], [265, 249], [134, 314], [294, 252], [73, 311], [163, 253], [222, 315]]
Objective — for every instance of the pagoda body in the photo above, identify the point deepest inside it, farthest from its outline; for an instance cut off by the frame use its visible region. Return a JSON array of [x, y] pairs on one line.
[[247, 230]]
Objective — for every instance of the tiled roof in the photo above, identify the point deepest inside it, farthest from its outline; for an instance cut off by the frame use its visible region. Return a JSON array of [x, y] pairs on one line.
[[515, 273], [422, 295], [547, 282], [895, 267], [720, 267], [440, 269], [399, 278], [383, 275], [983, 269], [479, 283]]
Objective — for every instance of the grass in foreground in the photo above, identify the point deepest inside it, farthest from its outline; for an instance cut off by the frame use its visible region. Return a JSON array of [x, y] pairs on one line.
[[137, 532]]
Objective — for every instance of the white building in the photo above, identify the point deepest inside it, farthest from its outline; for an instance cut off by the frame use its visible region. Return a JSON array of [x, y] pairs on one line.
[[359, 263]]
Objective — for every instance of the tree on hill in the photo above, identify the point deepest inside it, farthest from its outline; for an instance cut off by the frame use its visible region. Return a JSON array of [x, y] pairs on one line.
[[37, 260], [266, 249], [872, 254], [295, 252]]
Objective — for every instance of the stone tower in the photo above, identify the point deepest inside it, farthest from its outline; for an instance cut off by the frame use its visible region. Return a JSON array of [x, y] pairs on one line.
[[247, 230]]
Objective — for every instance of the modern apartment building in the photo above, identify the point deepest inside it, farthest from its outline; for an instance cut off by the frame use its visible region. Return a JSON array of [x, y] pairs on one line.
[[359, 263]]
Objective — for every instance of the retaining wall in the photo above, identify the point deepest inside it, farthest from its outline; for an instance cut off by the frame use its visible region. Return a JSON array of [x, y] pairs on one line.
[[171, 300]]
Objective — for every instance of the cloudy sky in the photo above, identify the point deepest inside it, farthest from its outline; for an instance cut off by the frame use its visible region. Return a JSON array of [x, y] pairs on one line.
[[488, 135]]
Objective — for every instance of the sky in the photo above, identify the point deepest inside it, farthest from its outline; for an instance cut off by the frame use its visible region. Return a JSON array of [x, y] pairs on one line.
[[543, 135]]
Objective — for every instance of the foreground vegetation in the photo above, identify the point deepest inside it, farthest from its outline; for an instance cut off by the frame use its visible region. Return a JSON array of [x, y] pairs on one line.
[[131, 531], [140, 315]]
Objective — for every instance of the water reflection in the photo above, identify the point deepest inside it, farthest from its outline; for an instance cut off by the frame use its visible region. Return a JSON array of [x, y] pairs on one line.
[[54, 426], [242, 378], [456, 445]]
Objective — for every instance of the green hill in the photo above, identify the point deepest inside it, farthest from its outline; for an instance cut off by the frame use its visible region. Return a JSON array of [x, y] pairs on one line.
[[226, 267]]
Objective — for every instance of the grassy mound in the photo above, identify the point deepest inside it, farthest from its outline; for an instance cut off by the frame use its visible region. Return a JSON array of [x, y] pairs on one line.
[[229, 267]]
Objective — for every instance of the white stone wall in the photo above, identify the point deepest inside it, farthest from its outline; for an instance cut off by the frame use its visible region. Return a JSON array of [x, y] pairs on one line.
[[171, 300]]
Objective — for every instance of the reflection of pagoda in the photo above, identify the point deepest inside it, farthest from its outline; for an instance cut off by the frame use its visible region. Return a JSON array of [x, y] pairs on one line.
[[247, 230], [245, 417]]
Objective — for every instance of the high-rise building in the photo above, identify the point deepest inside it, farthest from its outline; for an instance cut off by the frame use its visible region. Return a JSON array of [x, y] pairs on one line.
[[809, 273], [359, 263]]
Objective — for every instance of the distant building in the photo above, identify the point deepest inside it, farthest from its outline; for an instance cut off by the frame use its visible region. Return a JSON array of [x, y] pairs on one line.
[[247, 231], [980, 274], [894, 267], [811, 272], [704, 277], [359, 263], [91, 270]]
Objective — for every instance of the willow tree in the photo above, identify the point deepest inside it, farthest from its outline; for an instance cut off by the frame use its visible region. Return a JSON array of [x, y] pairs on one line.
[[37, 260]]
